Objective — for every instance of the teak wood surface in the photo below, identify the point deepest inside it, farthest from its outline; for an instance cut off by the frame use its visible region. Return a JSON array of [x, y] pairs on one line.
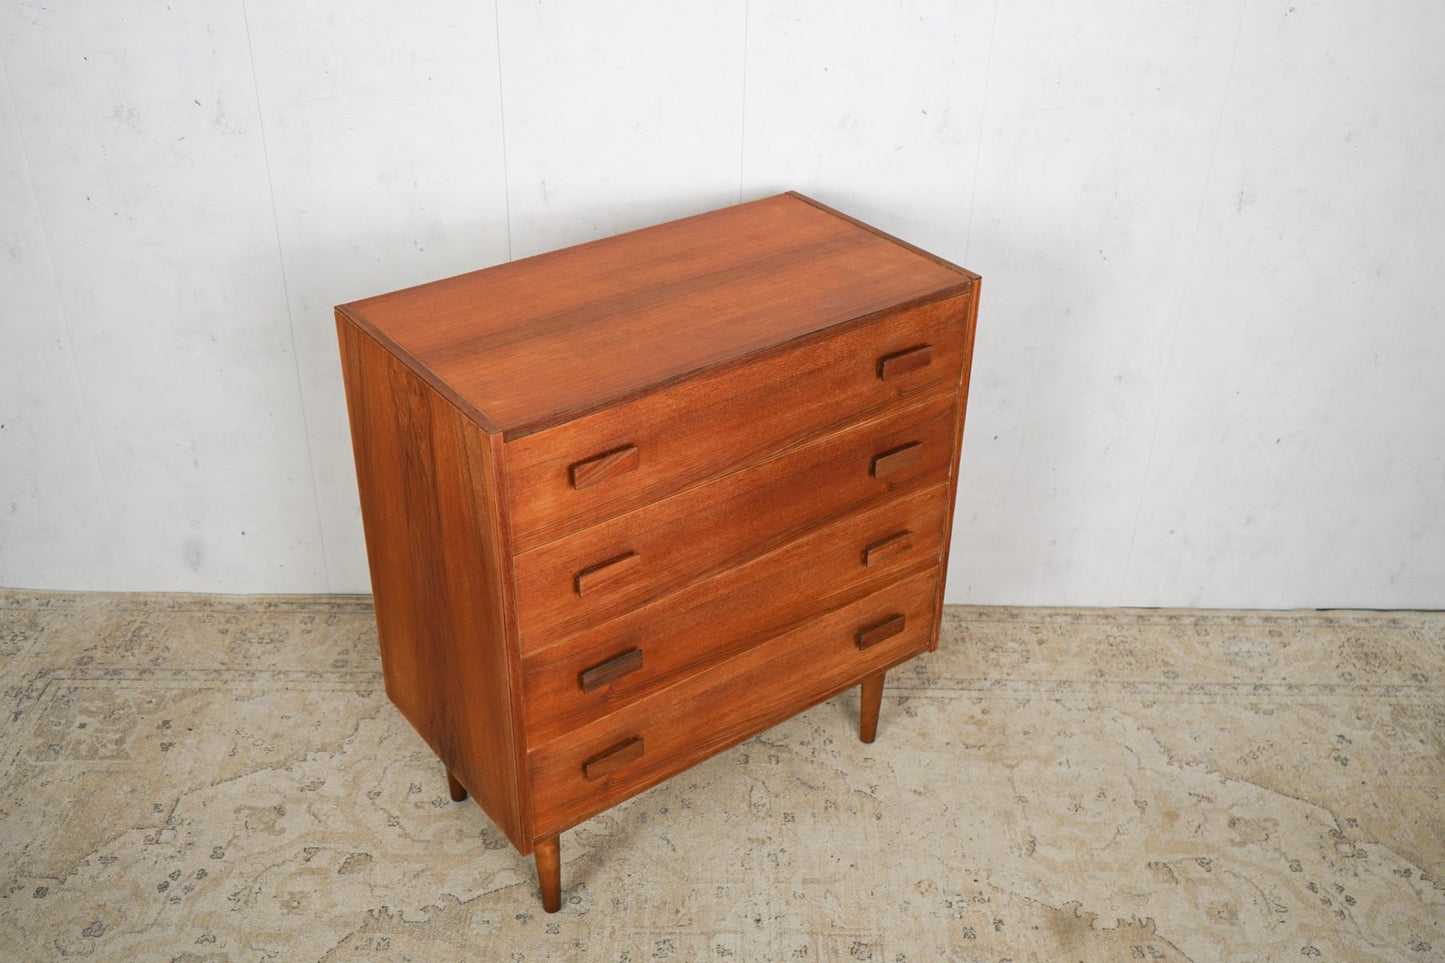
[[630, 503], [708, 712], [544, 339], [707, 426], [712, 620], [438, 555], [711, 527]]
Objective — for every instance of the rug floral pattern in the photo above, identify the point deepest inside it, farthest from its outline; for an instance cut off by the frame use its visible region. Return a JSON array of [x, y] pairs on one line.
[[217, 778]]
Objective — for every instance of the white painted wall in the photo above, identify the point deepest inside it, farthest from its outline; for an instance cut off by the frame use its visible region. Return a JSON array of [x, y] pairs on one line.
[[1209, 358]]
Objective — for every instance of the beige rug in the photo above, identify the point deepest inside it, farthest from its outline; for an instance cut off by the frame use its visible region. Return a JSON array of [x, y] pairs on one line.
[[217, 778]]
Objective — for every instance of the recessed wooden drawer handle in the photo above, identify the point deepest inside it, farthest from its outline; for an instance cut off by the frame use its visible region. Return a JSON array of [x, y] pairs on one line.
[[611, 760], [896, 459], [610, 670], [888, 547], [593, 577], [607, 465], [878, 631], [901, 362]]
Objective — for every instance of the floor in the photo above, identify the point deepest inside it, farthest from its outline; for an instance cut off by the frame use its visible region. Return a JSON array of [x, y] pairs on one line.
[[221, 778]]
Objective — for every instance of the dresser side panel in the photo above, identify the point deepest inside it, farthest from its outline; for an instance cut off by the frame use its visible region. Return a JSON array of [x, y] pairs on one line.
[[440, 573], [970, 327]]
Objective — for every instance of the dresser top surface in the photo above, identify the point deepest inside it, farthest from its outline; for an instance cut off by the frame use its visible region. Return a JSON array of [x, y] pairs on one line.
[[537, 341]]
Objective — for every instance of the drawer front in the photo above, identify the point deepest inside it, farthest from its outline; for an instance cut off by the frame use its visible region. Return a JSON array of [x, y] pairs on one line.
[[627, 561], [576, 474], [621, 754], [607, 666]]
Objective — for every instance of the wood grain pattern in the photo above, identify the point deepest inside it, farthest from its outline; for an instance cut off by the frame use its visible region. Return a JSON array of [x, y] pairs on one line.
[[600, 468], [597, 577], [455, 789], [870, 702], [608, 761], [545, 339], [439, 565], [689, 631], [897, 241], [707, 426], [900, 363], [549, 873], [610, 670], [630, 503], [875, 632], [885, 548], [970, 325], [705, 713], [898, 459], [713, 527]]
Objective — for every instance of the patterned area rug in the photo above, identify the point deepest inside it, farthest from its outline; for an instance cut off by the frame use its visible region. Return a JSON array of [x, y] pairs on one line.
[[221, 778]]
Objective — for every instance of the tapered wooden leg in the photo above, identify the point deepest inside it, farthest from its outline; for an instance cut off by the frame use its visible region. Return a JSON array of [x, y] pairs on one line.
[[868, 712], [549, 872], [458, 791]]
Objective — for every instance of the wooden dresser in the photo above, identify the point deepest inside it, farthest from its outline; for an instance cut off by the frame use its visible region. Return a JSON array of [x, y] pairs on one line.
[[630, 503]]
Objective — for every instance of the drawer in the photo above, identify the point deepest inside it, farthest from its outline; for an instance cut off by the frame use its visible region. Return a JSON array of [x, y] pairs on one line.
[[659, 549], [565, 478], [621, 754], [604, 667]]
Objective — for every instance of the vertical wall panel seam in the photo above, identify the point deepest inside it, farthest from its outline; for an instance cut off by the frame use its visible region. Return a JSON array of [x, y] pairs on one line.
[[1185, 286], [111, 547], [982, 122], [743, 111], [286, 296], [502, 116]]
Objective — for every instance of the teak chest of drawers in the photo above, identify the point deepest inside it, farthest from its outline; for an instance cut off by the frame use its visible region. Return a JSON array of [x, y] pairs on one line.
[[630, 503]]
